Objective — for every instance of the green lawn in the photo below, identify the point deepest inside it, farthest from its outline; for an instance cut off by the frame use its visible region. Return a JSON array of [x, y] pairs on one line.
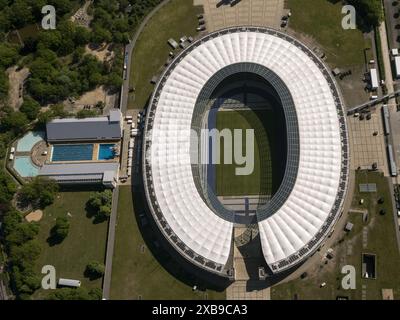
[[174, 20], [321, 19], [85, 242], [265, 178], [381, 240], [137, 273]]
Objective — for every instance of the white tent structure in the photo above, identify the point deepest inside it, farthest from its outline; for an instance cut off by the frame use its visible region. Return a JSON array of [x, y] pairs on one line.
[[293, 231]]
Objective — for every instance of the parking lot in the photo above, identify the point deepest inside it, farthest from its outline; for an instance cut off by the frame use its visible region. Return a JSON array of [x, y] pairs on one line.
[[219, 14]]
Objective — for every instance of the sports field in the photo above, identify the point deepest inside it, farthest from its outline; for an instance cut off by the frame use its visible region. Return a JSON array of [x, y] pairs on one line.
[[269, 153]]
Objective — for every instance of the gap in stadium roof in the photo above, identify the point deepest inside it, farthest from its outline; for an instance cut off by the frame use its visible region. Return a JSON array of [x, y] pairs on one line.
[[242, 98]]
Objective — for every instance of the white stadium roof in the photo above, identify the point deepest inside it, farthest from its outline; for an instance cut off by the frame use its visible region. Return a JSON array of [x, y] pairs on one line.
[[313, 202]]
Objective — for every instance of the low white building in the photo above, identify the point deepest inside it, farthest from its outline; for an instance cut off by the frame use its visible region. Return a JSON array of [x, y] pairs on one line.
[[374, 79], [69, 283], [397, 66]]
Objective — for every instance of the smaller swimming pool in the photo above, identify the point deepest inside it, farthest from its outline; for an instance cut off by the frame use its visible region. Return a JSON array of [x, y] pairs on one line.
[[72, 152], [24, 166], [26, 143], [106, 151]]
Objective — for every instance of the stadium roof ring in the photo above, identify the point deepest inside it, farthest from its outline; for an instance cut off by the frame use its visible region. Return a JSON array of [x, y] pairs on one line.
[[302, 213]]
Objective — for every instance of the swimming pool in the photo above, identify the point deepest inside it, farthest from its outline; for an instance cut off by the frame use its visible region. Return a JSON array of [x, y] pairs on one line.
[[106, 151], [72, 152], [26, 143], [24, 166]]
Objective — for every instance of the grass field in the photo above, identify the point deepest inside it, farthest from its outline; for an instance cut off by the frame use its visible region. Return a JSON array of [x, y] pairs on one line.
[[174, 20], [265, 178], [380, 240], [137, 273], [322, 19], [85, 242]]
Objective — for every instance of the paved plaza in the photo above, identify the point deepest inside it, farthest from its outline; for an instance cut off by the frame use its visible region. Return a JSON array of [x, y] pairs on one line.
[[367, 148], [267, 13], [247, 290]]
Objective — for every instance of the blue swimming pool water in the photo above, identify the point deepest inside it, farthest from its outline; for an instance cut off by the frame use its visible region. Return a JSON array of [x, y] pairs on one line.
[[72, 152], [26, 143], [25, 167], [106, 151]]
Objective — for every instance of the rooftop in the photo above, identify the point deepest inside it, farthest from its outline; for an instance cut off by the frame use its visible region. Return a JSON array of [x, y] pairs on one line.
[[96, 128]]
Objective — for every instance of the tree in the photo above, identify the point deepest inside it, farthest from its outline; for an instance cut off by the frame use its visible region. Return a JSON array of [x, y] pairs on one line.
[[60, 230], [8, 55], [3, 85], [31, 108], [11, 221], [7, 187], [81, 36], [100, 35], [74, 294], [95, 269], [39, 192], [370, 11], [22, 233], [100, 204], [104, 211], [84, 113], [22, 13], [114, 80], [15, 121], [45, 117], [23, 255]]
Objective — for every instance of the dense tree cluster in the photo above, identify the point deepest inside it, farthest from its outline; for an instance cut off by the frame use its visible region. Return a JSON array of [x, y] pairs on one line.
[[12, 123], [40, 192], [100, 204], [95, 269], [60, 230], [23, 250], [75, 294], [7, 190], [51, 81], [8, 57], [371, 11]]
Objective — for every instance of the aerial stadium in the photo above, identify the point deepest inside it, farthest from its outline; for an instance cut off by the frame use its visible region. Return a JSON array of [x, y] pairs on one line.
[[246, 78]]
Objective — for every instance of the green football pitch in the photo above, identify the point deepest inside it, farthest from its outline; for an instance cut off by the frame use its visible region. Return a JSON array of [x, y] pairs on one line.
[[269, 153]]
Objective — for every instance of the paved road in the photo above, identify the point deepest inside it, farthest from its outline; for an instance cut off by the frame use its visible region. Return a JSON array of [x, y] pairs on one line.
[[110, 245]]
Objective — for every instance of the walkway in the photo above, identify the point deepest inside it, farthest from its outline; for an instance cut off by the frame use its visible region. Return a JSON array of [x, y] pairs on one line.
[[110, 245]]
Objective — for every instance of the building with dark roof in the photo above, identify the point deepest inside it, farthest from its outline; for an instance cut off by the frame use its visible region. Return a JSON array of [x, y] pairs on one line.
[[88, 129], [82, 173]]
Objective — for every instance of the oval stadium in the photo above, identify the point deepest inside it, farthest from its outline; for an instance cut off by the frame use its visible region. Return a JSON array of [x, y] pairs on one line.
[[262, 81]]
